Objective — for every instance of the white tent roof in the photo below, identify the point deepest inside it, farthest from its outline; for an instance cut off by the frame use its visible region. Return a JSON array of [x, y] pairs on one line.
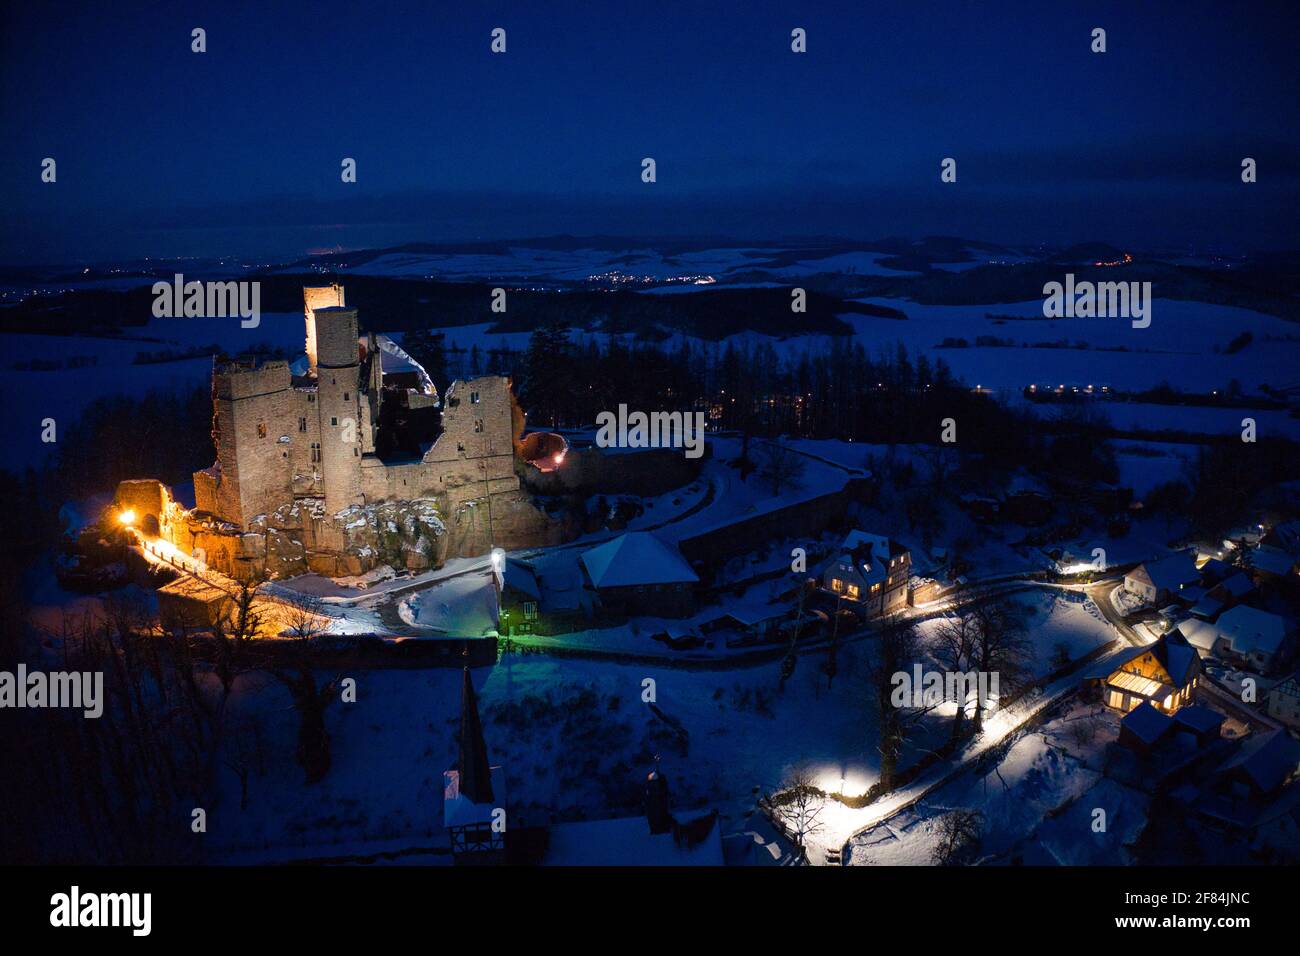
[[637, 557]]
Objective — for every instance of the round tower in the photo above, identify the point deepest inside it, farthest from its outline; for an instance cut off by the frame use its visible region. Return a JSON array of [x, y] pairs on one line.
[[338, 404]]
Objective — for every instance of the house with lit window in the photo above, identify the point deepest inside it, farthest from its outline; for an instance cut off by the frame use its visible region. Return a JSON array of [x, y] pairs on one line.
[[1283, 701], [1171, 577], [1164, 674], [1246, 635], [539, 597], [871, 571]]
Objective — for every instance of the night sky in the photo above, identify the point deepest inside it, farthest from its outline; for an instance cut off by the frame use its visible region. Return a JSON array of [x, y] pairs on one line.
[[165, 152]]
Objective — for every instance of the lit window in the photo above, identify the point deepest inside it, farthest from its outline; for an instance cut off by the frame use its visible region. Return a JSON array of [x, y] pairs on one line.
[[852, 592], [261, 429], [837, 585], [315, 452], [530, 610], [473, 398]]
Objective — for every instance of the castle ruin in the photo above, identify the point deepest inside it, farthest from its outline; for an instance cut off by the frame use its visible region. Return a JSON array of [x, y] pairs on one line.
[[349, 458]]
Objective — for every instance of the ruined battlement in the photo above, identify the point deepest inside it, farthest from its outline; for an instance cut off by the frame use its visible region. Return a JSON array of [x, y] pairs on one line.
[[242, 379], [278, 444]]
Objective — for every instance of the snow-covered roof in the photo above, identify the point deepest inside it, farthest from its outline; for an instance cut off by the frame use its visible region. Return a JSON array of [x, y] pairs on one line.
[[1146, 723], [1169, 573], [1250, 629], [520, 577], [1267, 759], [1236, 586], [394, 360], [637, 557], [1273, 560], [1199, 718], [1200, 634]]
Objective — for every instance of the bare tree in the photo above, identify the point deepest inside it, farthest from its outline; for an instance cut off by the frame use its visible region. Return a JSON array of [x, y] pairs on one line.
[[237, 627], [960, 832], [310, 700], [800, 805], [955, 640], [781, 467], [1001, 647], [896, 650]]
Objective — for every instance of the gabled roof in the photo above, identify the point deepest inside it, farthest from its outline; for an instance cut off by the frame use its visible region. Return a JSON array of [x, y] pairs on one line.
[[1236, 586], [1146, 723], [1250, 629], [1169, 573], [1177, 657], [1199, 718], [637, 557], [520, 577], [1273, 560], [1266, 759]]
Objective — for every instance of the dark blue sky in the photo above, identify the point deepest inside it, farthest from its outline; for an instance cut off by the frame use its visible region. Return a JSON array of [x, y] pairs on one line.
[[236, 151]]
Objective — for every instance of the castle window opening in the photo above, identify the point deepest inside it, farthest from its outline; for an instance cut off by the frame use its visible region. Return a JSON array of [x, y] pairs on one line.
[[345, 396], [315, 451], [302, 424], [473, 398], [478, 424], [261, 429], [334, 420]]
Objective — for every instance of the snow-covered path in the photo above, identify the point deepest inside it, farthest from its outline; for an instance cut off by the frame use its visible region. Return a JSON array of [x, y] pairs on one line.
[[840, 823]]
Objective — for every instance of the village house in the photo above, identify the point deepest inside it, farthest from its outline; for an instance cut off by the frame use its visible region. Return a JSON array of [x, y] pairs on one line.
[[871, 571], [1144, 729], [1163, 674], [639, 574], [1245, 634], [1282, 702], [1251, 786], [538, 600], [1169, 577]]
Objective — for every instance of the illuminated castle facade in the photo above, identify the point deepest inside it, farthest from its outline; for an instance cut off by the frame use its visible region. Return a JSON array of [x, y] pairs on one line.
[[308, 432]]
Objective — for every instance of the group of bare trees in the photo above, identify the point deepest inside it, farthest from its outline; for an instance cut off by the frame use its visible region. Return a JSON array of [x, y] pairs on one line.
[[123, 787], [985, 637]]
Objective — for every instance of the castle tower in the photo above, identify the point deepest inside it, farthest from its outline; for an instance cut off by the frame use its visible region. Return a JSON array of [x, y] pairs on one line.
[[253, 411], [338, 402], [318, 297]]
